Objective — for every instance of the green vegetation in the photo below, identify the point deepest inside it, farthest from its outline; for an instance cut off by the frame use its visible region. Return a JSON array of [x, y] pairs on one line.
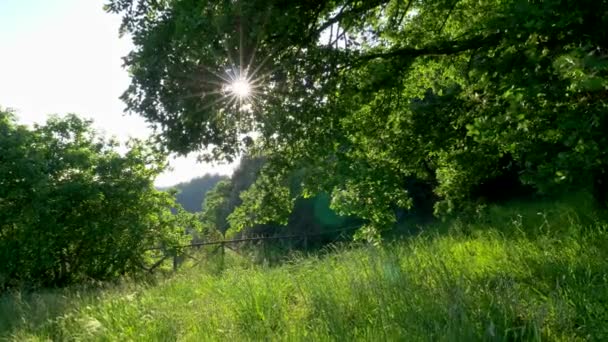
[[472, 98], [73, 209], [381, 113], [222, 211], [526, 271]]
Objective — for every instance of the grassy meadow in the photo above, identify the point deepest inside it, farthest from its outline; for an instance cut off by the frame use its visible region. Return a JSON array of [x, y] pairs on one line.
[[522, 271]]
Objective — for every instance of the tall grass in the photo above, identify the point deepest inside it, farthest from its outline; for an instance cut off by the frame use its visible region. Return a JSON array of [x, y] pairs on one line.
[[526, 271]]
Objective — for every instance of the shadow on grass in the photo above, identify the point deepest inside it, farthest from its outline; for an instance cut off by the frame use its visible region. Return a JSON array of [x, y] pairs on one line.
[[31, 312], [39, 312]]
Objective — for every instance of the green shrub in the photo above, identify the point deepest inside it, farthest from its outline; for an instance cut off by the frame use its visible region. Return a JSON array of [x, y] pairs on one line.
[[73, 209]]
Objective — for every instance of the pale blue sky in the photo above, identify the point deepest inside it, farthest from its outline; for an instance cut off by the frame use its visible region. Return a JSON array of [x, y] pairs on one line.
[[64, 56]]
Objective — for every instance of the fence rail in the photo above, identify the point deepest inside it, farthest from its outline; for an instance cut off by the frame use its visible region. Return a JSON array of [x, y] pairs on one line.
[[226, 244], [261, 238]]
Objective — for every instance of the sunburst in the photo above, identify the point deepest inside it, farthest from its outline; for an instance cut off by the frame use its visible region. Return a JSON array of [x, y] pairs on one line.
[[240, 87]]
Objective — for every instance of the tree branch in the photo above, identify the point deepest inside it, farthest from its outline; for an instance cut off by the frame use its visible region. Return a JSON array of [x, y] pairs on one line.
[[404, 13], [447, 16], [445, 48], [369, 5]]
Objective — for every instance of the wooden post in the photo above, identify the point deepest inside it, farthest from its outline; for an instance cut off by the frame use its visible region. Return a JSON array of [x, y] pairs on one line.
[[175, 262], [266, 256], [223, 252]]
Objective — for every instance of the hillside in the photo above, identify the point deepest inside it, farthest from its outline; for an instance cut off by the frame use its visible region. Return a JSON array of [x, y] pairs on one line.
[[525, 271], [191, 194]]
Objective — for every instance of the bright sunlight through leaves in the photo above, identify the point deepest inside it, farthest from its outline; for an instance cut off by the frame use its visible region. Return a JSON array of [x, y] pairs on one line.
[[240, 87]]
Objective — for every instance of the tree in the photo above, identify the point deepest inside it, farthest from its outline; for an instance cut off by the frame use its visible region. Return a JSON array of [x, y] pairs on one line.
[[217, 207], [221, 201], [366, 95], [72, 208]]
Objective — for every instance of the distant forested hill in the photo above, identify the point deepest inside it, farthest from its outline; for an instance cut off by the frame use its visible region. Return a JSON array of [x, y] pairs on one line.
[[191, 194]]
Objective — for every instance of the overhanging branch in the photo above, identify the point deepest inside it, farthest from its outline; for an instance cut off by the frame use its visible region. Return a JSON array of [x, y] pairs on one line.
[[369, 5], [442, 49]]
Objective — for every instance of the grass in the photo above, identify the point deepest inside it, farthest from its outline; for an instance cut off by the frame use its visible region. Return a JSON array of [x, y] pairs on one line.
[[525, 271]]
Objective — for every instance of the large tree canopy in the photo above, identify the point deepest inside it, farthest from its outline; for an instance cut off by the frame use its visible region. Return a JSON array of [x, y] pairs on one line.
[[367, 95]]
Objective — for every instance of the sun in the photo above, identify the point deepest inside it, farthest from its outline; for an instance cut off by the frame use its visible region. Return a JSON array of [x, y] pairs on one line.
[[237, 86], [240, 87]]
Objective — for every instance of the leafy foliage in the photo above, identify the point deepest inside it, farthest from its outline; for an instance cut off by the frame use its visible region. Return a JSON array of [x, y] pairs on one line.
[[227, 210], [216, 207], [366, 95], [74, 209]]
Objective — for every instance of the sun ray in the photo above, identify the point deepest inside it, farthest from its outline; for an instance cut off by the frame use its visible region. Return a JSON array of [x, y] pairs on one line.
[[217, 74], [216, 101], [260, 66], [202, 94]]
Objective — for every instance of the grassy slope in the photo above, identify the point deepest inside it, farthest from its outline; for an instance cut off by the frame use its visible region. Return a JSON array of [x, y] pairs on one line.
[[525, 271]]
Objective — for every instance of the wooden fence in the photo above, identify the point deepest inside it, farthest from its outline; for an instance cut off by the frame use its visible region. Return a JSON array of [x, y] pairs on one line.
[[228, 243]]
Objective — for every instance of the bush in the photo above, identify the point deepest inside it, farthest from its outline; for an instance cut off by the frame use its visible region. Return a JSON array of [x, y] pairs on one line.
[[72, 208]]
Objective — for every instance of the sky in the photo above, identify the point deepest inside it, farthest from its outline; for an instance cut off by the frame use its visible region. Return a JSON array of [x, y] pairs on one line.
[[64, 56]]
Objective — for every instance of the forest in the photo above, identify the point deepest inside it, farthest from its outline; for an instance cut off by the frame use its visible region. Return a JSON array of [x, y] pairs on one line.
[[447, 158]]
